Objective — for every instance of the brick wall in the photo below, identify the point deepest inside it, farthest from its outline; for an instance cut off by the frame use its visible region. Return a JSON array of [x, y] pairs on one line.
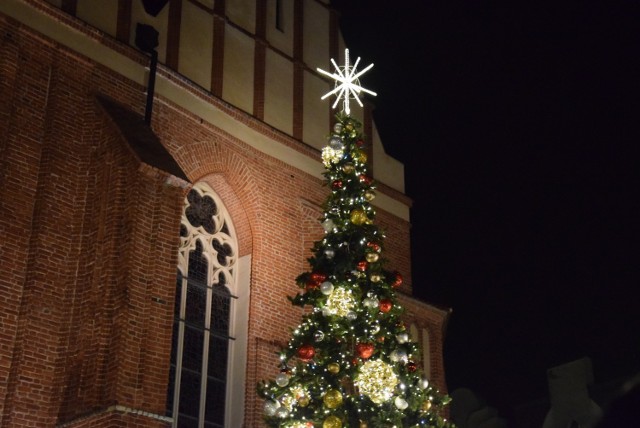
[[90, 238]]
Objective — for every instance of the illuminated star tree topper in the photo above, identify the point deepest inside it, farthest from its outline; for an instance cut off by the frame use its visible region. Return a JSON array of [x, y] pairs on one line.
[[347, 83]]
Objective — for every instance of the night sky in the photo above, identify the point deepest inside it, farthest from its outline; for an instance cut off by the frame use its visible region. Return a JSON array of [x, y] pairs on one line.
[[518, 124]]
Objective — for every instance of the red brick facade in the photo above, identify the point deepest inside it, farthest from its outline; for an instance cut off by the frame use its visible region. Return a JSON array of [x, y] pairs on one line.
[[90, 235]]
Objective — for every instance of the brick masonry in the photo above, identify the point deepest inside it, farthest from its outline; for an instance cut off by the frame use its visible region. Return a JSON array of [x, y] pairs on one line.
[[90, 238]]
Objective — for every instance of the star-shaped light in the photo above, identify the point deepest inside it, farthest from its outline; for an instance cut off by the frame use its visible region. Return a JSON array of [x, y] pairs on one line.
[[347, 83]]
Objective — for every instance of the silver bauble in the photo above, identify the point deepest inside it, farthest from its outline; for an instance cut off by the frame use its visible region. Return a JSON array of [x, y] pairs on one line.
[[351, 316], [270, 407], [282, 379], [282, 412], [337, 128], [328, 225], [329, 253], [318, 336], [402, 337], [398, 355], [401, 403], [326, 288], [335, 142]]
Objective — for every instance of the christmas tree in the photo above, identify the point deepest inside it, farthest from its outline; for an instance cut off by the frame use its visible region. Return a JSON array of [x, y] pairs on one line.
[[350, 362]]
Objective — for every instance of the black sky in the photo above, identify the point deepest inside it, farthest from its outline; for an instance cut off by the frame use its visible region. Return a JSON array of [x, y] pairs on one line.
[[518, 123]]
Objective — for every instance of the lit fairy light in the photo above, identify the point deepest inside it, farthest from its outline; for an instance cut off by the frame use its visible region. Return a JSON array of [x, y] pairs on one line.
[[340, 302], [377, 380], [347, 83]]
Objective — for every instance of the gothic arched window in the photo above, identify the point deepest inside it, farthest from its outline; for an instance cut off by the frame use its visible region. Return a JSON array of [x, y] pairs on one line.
[[203, 322]]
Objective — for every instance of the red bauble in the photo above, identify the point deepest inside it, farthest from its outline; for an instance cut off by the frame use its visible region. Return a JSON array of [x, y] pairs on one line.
[[362, 266], [374, 246], [365, 179], [385, 305], [336, 185], [306, 352], [411, 366], [318, 277], [360, 143], [365, 350], [397, 282], [312, 285]]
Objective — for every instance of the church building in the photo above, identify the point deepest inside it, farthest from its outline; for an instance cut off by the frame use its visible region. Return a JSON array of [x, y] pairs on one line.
[[161, 191]]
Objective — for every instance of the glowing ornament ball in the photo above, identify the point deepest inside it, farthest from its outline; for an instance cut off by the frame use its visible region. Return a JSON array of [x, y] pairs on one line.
[[377, 380]]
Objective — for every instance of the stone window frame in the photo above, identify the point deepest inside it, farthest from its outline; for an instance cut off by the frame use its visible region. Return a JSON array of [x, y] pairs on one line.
[[219, 228]]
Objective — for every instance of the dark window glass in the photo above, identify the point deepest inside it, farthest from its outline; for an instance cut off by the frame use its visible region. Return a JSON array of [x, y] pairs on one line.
[[189, 394], [214, 410], [193, 347], [223, 251], [201, 210]]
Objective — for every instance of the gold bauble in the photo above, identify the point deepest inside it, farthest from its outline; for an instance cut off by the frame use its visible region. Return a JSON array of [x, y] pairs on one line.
[[425, 406], [303, 401], [332, 399], [359, 156], [363, 424], [369, 195], [332, 422], [372, 257], [333, 368], [348, 168], [359, 217], [376, 278]]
